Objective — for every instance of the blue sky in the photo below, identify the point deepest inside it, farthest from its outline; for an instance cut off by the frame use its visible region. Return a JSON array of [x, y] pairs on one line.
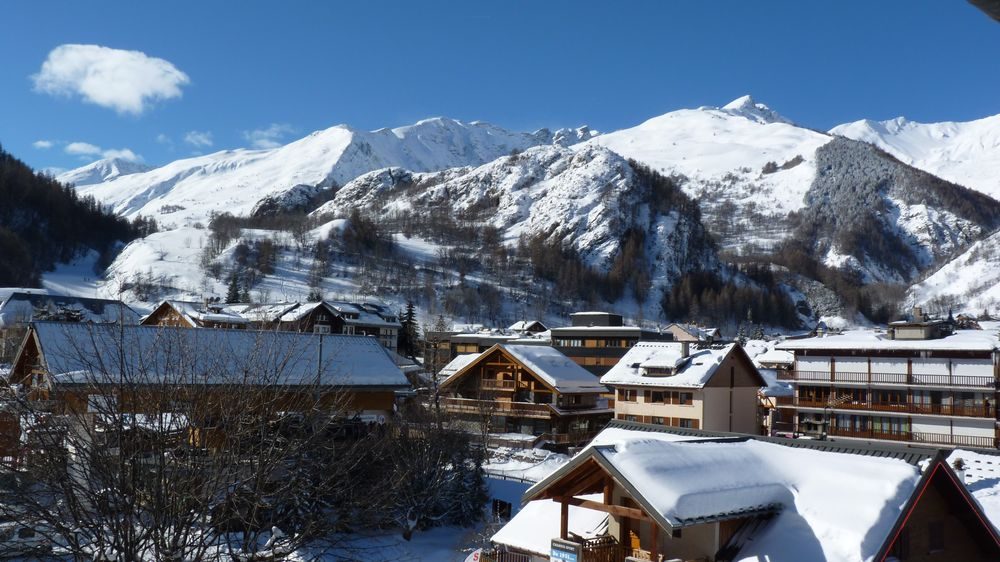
[[237, 73]]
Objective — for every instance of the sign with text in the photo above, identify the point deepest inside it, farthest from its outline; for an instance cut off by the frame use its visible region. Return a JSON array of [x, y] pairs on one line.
[[565, 551]]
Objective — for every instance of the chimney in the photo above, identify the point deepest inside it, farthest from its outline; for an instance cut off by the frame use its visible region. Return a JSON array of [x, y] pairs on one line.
[[918, 314], [685, 348]]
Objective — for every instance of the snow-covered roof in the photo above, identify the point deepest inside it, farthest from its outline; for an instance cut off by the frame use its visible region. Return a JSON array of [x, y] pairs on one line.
[[532, 529], [457, 364], [961, 340], [365, 317], [263, 312], [557, 370], [84, 353], [199, 312], [20, 306], [688, 482], [774, 387], [522, 325], [693, 371], [775, 357]]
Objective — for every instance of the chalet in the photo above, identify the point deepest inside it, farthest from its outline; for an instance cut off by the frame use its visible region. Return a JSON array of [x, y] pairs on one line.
[[19, 307], [64, 367], [598, 340], [321, 317], [669, 383], [670, 494], [527, 389], [527, 327], [917, 382], [189, 314]]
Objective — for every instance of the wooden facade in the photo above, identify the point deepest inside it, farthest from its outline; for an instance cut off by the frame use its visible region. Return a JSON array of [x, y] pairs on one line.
[[500, 389]]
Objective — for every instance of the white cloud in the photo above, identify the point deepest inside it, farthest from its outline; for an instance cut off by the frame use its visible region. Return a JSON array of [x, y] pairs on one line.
[[82, 149], [90, 151], [269, 137], [42, 144], [198, 138], [126, 81], [121, 154], [163, 139]]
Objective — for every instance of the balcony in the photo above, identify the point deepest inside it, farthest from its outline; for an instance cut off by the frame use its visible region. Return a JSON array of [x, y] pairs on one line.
[[494, 384], [917, 437], [914, 379], [496, 407], [976, 410]]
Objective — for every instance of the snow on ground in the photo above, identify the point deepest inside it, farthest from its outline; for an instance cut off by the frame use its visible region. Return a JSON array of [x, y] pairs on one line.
[[441, 544], [76, 278], [970, 282]]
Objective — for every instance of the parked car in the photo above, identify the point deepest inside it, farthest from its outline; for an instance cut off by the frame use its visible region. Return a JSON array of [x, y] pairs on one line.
[[18, 539]]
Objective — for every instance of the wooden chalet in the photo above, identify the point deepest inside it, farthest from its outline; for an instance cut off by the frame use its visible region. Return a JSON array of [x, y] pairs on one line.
[[691, 495], [66, 368], [528, 389], [189, 314]]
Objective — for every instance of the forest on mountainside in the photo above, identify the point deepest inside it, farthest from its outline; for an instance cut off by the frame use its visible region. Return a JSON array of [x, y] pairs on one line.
[[43, 222]]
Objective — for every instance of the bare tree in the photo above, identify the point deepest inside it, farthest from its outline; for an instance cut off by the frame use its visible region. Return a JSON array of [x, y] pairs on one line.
[[142, 447]]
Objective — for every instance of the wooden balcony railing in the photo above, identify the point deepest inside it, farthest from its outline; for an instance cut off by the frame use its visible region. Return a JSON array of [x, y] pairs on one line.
[[496, 407], [493, 384], [917, 437], [917, 379], [975, 410]]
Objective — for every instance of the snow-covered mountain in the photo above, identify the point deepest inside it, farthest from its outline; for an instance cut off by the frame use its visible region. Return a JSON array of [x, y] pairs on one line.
[[103, 170], [585, 199], [969, 283], [759, 179], [189, 190], [967, 153]]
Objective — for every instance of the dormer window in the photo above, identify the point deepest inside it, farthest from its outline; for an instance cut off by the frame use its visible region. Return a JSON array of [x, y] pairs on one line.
[[658, 371]]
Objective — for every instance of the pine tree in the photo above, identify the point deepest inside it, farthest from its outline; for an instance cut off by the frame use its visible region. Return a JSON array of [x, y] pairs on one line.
[[233, 292]]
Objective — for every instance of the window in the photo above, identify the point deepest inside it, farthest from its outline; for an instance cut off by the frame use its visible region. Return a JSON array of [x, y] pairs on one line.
[[658, 420], [627, 394], [631, 418], [687, 423], [321, 329], [685, 398], [657, 397]]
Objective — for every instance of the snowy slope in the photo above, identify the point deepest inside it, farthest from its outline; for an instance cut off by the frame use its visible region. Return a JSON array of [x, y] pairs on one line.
[[713, 145], [586, 198], [967, 153], [187, 191], [101, 171], [968, 283]]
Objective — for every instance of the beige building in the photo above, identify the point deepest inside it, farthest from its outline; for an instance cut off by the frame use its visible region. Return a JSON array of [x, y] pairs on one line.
[[673, 384]]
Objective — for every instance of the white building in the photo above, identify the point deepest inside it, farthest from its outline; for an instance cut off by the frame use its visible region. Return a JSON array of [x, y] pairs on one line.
[[915, 383]]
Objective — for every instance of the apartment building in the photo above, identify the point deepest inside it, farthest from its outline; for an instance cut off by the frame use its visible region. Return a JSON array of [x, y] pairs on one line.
[[919, 381], [598, 340], [675, 384]]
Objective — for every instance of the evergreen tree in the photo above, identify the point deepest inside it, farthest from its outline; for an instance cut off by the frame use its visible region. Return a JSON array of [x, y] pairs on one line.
[[408, 333], [233, 292]]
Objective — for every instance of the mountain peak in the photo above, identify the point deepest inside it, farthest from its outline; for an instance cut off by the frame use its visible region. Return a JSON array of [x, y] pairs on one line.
[[746, 106], [102, 170]]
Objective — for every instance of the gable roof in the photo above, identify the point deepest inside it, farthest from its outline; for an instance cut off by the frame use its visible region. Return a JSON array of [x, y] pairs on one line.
[[693, 371], [197, 313], [76, 353], [690, 482], [546, 363], [940, 473], [20, 306]]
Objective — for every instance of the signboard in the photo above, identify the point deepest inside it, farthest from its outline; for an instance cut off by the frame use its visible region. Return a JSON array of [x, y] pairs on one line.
[[565, 551], [475, 556]]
